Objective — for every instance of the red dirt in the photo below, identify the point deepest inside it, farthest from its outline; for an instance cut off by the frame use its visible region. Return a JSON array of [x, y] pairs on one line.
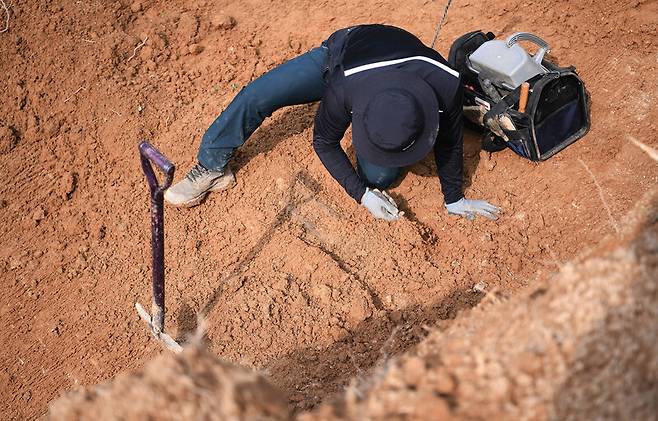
[[293, 277], [206, 387], [580, 345]]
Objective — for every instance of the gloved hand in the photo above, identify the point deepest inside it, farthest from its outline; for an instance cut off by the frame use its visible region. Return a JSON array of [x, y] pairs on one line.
[[469, 208], [381, 205]]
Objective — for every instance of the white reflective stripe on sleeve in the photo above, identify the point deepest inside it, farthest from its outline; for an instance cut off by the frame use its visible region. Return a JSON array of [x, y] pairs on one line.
[[398, 61]]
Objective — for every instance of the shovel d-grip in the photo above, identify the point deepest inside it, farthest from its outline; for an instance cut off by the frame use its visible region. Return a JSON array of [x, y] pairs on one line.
[[155, 320]]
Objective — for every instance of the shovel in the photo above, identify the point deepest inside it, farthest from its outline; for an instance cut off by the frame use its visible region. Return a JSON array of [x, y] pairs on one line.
[[149, 154]]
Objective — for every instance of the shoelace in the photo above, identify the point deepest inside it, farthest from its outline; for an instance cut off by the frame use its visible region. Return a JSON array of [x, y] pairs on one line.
[[196, 172]]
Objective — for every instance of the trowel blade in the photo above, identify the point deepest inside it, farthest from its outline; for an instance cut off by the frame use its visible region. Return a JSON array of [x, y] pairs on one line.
[[166, 340]]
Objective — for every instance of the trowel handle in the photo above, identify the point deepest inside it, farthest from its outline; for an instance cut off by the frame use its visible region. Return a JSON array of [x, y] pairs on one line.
[[527, 36], [148, 153]]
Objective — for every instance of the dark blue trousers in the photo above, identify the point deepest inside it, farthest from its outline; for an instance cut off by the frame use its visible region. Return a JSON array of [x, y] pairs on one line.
[[298, 81]]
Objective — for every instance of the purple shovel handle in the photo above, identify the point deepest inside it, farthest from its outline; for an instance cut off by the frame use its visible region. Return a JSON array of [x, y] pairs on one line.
[[149, 154]]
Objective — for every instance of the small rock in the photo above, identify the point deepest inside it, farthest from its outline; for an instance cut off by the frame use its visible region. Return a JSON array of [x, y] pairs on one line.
[[296, 397], [67, 186], [516, 264], [488, 162], [15, 263], [195, 49], [56, 328], [480, 286], [38, 214], [188, 26], [52, 127], [8, 139], [27, 396], [280, 183], [150, 65], [146, 53], [443, 382], [81, 261], [530, 363], [295, 45], [136, 7], [414, 371], [439, 408], [222, 21], [33, 125], [395, 316], [158, 42]]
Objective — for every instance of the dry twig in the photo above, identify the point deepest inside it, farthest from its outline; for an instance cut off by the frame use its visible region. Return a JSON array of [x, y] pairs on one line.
[[605, 203], [646, 148], [74, 93], [4, 6], [140, 45]]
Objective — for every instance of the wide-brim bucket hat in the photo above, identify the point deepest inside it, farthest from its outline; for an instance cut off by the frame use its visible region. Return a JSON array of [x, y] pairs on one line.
[[395, 118]]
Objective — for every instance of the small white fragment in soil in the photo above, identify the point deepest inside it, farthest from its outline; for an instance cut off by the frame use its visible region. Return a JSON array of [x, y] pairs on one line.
[[480, 287]]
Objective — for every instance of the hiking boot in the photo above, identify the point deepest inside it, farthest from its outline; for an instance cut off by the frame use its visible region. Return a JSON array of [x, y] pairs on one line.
[[197, 183]]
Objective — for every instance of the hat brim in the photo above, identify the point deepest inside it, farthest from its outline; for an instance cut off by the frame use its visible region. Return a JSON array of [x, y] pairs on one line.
[[380, 80]]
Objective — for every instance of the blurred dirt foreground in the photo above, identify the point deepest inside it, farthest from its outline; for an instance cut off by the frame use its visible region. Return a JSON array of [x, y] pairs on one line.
[[581, 345]]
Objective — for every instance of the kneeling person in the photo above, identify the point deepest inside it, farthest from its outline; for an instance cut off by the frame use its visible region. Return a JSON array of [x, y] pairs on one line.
[[401, 97]]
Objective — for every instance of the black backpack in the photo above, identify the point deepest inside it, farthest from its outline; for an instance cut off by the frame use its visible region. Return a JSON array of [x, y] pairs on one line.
[[557, 110]]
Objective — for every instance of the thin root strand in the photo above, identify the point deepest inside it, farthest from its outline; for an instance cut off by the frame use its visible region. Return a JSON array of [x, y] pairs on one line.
[[4, 6], [140, 45], [600, 190], [653, 154]]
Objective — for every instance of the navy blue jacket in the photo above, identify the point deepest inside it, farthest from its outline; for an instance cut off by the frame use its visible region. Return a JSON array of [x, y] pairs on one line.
[[351, 50]]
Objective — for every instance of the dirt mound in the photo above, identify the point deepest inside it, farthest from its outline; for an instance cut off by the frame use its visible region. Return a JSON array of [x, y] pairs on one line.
[[293, 277], [582, 345], [191, 385]]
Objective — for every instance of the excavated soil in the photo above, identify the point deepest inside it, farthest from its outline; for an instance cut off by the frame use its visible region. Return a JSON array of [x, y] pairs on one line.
[[580, 345], [291, 276]]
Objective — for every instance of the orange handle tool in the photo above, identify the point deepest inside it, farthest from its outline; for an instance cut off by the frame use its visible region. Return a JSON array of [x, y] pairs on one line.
[[523, 100]]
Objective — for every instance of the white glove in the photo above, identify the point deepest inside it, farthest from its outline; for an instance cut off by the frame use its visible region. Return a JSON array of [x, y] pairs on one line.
[[381, 205], [469, 208]]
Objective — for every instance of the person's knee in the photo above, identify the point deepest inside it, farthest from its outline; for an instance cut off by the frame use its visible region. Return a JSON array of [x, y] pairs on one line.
[[383, 180], [375, 176], [384, 183], [257, 101]]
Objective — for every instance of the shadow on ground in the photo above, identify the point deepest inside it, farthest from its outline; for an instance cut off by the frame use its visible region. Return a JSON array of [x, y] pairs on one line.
[[312, 375], [293, 121]]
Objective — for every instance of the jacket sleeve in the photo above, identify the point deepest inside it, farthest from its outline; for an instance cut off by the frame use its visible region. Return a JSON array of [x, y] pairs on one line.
[[331, 121], [449, 151]]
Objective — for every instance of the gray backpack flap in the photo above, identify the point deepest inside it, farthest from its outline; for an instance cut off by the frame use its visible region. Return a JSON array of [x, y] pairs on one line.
[[557, 110]]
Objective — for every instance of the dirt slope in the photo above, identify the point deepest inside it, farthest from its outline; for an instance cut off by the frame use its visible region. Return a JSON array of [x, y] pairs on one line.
[[582, 345], [192, 385], [293, 277]]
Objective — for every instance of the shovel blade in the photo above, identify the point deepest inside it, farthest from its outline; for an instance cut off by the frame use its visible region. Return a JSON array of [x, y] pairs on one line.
[[165, 339]]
